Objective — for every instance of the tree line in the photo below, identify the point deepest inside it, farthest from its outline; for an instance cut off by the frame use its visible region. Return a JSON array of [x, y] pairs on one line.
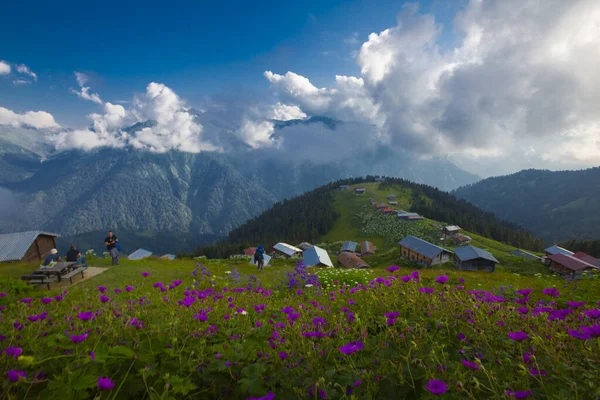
[[311, 215]]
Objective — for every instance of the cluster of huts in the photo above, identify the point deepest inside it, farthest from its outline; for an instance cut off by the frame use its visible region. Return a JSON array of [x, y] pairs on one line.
[[388, 209], [316, 256], [563, 261]]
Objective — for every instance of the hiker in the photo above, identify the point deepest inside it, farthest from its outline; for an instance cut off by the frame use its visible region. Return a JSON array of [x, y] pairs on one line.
[[259, 257], [51, 258], [111, 242], [74, 255]]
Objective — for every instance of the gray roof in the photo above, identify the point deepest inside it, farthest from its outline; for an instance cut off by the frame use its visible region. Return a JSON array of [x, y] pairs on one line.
[[287, 249], [552, 250], [422, 247], [139, 254], [168, 257], [471, 253], [524, 254], [349, 246], [13, 246], [316, 256]]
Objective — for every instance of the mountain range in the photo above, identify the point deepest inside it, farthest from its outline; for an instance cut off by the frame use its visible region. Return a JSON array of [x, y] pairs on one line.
[[554, 205], [202, 195]]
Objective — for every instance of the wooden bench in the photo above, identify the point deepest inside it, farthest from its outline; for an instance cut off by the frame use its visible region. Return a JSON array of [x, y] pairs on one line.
[[71, 274], [39, 279]]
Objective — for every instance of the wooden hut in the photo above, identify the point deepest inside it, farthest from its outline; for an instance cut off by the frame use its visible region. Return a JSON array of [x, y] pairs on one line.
[[351, 260], [422, 252], [30, 246], [471, 258]]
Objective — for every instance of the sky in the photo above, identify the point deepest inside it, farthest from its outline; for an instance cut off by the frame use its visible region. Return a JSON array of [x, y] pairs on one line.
[[494, 85]]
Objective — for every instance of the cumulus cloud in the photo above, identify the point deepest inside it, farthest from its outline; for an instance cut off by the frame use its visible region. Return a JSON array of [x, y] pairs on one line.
[[35, 119], [168, 125], [284, 112], [522, 76], [4, 68], [24, 69], [84, 91], [258, 133]]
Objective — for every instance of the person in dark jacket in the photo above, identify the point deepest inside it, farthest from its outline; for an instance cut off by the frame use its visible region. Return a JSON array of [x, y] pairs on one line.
[[259, 257], [111, 245], [74, 255]]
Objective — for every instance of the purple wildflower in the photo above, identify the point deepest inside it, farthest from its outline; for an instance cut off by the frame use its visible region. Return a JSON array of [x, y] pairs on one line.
[[46, 300], [393, 268], [405, 278], [268, 396], [128, 288], [351, 347], [436, 387], [522, 394], [283, 355], [518, 336], [524, 292], [102, 289], [442, 279], [78, 338], [576, 304], [14, 351], [145, 274], [85, 316], [13, 375], [26, 300], [470, 364], [426, 290], [594, 313], [104, 383], [104, 299], [461, 337], [461, 280], [537, 372], [551, 292]]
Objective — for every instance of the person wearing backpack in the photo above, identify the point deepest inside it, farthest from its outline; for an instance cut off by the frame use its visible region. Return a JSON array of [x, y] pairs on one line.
[[259, 257]]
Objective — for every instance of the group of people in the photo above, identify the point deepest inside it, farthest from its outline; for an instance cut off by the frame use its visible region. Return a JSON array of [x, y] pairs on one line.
[[112, 245], [73, 255]]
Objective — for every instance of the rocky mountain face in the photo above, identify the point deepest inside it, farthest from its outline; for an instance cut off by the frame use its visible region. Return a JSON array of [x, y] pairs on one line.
[[204, 194]]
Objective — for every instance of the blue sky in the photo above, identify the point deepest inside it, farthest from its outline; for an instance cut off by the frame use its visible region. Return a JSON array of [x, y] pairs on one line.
[[196, 48]]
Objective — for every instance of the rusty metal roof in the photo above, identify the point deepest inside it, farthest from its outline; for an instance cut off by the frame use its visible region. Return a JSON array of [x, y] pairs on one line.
[[13, 246], [351, 260], [570, 262]]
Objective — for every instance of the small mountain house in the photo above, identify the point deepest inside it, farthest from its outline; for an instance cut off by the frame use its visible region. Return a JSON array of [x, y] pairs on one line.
[[422, 252], [451, 230], [316, 256], [552, 250], [360, 190], [471, 258], [351, 260], [391, 197], [344, 187], [304, 246], [139, 254], [169, 257], [286, 250], [367, 249], [409, 216], [569, 265], [349, 246], [27, 246]]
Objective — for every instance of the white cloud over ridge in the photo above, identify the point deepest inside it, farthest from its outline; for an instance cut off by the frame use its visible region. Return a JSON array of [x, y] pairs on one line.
[[35, 119], [523, 77]]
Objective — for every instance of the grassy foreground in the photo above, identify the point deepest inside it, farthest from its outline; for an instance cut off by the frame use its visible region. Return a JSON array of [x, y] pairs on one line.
[[158, 329]]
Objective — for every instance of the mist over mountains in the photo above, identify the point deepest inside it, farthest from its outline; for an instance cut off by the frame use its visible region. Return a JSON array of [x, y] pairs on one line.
[[209, 193]]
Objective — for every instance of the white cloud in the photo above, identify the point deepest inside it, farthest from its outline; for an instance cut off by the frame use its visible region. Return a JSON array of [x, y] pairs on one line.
[[35, 119], [84, 93], [4, 68], [19, 82], [257, 133], [24, 69], [283, 112], [523, 76]]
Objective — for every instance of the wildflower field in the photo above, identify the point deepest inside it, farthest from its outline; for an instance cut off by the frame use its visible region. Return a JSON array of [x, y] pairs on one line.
[[208, 332]]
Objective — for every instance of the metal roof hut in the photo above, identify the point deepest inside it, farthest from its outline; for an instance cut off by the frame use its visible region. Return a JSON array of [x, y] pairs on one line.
[[471, 258], [393, 203], [569, 265], [169, 257], [249, 251], [351, 260], [286, 250], [552, 250], [360, 190], [422, 252], [587, 258], [316, 256], [409, 216], [451, 230], [304, 246], [525, 254], [139, 254], [391, 197], [349, 246], [27, 246], [367, 249]]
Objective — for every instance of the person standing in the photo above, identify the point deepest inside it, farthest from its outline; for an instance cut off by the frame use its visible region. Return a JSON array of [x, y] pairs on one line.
[[74, 255], [111, 242], [259, 257]]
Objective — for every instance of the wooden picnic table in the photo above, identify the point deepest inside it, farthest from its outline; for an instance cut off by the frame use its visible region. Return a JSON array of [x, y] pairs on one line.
[[58, 269]]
